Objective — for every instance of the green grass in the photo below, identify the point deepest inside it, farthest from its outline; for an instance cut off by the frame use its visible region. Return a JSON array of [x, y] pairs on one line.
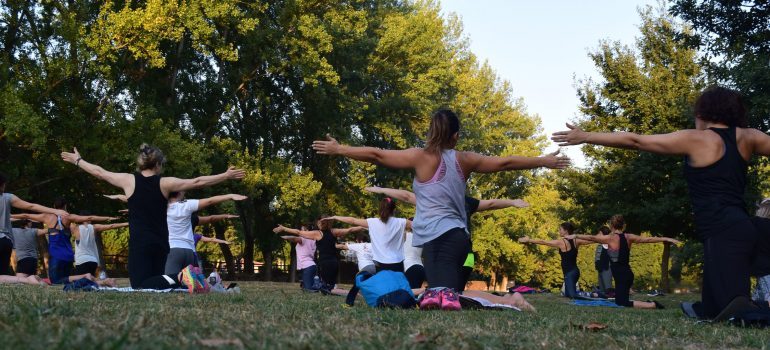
[[276, 315]]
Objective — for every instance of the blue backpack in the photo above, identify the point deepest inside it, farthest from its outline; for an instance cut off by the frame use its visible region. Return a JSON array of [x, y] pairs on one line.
[[383, 289]]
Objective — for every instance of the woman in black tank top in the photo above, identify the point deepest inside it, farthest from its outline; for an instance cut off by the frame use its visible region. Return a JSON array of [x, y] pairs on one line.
[[147, 194], [620, 251], [568, 251], [326, 237], [716, 153]]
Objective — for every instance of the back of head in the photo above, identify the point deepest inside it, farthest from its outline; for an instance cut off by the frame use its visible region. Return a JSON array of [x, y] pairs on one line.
[[604, 230], [324, 225], [721, 105], [59, 203], [763, 210], [149, 158], [568, 227], [387, 209], [618, 222], [441, 134]]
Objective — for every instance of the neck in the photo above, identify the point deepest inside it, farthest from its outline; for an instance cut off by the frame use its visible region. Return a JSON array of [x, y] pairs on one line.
[[148, 172], [715, 125]]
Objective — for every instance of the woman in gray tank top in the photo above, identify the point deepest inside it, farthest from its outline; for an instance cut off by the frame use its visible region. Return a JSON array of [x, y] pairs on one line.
[[439, 187]]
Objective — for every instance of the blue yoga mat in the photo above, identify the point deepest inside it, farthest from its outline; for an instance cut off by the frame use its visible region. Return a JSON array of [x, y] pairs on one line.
[[605, 303]]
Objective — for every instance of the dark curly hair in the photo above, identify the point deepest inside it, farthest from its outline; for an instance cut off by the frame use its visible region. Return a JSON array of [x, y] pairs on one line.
[[722, 105]]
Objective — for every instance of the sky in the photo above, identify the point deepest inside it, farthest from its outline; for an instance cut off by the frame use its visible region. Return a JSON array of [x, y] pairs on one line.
[[541, 47]]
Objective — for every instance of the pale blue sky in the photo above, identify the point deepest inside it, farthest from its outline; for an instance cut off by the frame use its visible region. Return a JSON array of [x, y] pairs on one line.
[[540, 46]]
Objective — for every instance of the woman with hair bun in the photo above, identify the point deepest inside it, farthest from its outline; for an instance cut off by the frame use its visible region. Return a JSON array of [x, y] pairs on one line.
[[147, 194]]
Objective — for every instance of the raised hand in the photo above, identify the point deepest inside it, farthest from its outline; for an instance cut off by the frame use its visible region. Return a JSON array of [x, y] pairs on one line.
[[235, 174], [230, 216], [554, 161], [520, 203], [71, 157], [279, 229], [524, 239], [571, 137], [329, 146], [373, 189]]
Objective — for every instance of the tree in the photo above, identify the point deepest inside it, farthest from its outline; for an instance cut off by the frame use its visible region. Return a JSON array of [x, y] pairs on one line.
[[646, 90]]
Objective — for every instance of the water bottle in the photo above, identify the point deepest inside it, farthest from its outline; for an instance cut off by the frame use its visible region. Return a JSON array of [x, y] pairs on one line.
[[102, 275]]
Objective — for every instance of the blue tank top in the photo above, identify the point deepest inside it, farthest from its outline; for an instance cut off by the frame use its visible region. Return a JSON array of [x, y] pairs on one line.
[[60, 245], [717, 190]]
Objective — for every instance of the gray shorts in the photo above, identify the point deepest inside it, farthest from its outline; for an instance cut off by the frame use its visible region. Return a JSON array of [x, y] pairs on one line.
[[179, 258]]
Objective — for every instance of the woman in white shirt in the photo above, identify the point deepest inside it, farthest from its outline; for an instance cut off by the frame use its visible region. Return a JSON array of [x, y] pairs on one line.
[[180, 232], [387, 234]]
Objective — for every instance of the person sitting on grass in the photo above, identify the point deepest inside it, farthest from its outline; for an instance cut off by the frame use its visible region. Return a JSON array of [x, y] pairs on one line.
[[61, 255], [86, 251], [619, 250], [305, 254], [326, 239], [7, 201], [568, 251], [602, 264], [386, 233], [25, 244]]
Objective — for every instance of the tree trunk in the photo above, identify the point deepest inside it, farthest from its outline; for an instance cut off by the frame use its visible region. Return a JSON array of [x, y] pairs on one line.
[[503, 282], [219, 233], [293, 263], [268, 264], [664, 282], [493, 280], [248, 240]]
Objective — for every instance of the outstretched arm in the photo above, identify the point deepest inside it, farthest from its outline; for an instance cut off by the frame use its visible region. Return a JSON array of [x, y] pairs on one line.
[[603, 239], [682, 142], [18, 203], [550, 243], [293, 239], [495, 204], [28, 216], [349, 220], [173, 184], [402, 195], [120, 180], [316, 235], [341, 246], [81, 218], [202, 220], [396, 159], [102, 228], [206, 202], [640, 239], [484, 164], [580, 242], [214, 240], [339, 232], [118, 197]]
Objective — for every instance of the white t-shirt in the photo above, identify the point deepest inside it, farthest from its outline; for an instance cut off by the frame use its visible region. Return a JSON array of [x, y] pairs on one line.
[[85, 247], [180, 233], [412, 255], [363, 253], [387, 239]]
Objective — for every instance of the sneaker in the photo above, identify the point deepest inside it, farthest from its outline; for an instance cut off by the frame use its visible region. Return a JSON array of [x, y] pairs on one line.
[[188, 278], [450, 300], [430, 300]]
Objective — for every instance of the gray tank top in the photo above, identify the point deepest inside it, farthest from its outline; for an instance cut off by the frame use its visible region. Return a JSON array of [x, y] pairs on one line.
[[440, 201], [25, 243], [85, 247], [5, 215]]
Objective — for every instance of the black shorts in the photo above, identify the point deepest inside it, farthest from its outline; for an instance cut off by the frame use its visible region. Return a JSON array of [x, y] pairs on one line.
[[27, 266], [84, 268]]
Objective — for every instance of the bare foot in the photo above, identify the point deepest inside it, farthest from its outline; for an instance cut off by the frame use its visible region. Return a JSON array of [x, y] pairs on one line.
[[518, 301], [108, 282], [32, 279]]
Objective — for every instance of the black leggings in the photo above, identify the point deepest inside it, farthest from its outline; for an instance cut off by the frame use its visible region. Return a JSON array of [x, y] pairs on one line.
[[6, 246], [144, 263], [415, 274], [624, 279], [444, 258], [727, 263], [327, 270], [397, 267]]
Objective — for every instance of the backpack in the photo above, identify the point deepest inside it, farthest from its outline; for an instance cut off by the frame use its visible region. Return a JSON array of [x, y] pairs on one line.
[[383, 289]]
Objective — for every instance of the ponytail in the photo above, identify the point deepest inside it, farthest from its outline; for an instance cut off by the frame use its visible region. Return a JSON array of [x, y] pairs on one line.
[[387, 208]]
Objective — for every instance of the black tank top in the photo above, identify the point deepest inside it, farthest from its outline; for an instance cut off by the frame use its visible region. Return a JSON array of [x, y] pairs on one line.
[[621, 257], [569, 258], [716, 191], [147, 213], [326, 246]]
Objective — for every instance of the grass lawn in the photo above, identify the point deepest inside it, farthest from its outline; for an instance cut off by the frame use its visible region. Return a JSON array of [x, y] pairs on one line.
[[278, 315]]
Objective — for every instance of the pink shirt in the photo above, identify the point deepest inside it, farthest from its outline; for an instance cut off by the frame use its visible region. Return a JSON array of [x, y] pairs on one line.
[[305, 253]]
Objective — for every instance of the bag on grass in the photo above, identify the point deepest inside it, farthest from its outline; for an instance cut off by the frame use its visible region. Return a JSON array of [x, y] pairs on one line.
[[383, 289], [81, 285]]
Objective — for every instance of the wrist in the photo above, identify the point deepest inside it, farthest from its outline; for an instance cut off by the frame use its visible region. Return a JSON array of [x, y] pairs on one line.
[[77, 161]]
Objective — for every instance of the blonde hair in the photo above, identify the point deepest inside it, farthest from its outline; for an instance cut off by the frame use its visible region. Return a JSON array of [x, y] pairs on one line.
[[149, 157]]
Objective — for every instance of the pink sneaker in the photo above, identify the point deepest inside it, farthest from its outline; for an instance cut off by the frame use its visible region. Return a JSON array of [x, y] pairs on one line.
[[431, 299], [450, 300]]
